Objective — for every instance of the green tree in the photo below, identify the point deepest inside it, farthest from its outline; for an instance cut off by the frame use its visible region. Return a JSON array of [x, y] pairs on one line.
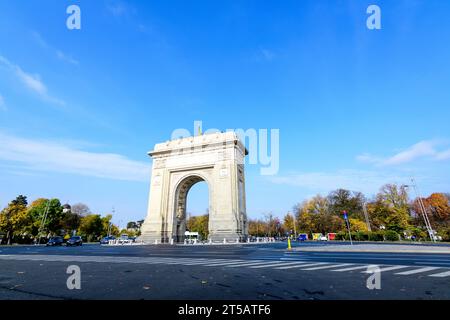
[[70, 221], [46, 216], [20, 200], [132, 225], [344, 200], [108, 226], [91, 227]]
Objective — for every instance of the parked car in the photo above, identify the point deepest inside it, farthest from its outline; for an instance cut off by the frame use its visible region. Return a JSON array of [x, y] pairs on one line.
[[323, 238], [331, 236], [74, 241], [106, 240], [302, 237], [55, 241]]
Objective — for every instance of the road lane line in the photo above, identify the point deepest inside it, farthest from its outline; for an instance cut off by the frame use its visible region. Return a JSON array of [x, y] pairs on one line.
[[301, 265], [269, 264], [387, 269], [193, 263], [277, 264], [254, 263], [443, 264], [328, 267], [415, 271], [215, 264], [440, 275], [351, 268]]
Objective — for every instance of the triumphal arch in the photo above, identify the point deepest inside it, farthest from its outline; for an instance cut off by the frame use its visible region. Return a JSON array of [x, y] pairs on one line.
[[217, 159]]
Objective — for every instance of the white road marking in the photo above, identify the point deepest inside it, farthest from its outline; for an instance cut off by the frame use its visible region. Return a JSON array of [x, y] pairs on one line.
[[388, 269], [194, 263], [415, 271], [283, 264], [215, 264], [301, 265], [271, 264], [440, 275], [351, 268], [248, 264], [328, 267]]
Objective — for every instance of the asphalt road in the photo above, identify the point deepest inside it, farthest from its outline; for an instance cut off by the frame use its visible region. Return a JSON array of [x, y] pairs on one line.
[[233, 272]]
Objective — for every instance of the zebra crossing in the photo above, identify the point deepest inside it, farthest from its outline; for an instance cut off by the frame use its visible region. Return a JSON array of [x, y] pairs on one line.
[[300, 265]]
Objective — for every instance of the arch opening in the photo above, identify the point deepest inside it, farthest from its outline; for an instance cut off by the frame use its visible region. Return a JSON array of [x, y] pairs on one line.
[[181, 205]]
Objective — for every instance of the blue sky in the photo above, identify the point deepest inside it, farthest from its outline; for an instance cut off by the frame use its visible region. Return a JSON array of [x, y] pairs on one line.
[[356, 108]]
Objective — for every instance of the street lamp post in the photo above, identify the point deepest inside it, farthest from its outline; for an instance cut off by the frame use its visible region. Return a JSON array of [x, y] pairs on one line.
[[43, 220], [423, 209], [366, 215]]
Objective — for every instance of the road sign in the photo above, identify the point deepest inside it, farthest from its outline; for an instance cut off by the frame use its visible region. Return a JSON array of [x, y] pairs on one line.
[[347, 222], [345, 215]]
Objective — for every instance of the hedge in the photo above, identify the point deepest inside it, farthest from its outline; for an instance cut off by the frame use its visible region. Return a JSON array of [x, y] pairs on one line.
[[369, 236], [391, 235]]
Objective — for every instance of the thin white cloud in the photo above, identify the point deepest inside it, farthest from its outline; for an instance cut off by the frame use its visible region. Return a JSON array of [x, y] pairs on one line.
[[38, 38], [419, 150], [62, 56], [2, 103], [120, 9], [444, 155], [59, 53], [424, 149], [31, 81], [50, 156], [357, 180], [367, 158], [267, 54]]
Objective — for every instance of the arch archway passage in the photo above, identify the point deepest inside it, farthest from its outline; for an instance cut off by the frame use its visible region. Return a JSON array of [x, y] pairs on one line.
[[217, 159]]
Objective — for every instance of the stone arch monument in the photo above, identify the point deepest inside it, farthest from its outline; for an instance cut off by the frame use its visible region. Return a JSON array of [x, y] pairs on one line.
[[217, 159]]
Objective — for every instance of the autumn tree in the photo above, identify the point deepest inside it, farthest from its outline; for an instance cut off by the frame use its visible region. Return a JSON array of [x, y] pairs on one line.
[[272, 224], [257, 228], [14, 218], [288, 223], [199, 224], [390, 209], [357, 225], [303, 218], [92, 227], [439, 207]]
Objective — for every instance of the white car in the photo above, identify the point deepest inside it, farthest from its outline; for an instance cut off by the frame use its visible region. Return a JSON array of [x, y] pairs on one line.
[[323, 238]]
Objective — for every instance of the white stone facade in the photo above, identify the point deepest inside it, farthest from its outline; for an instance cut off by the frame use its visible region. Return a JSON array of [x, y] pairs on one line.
[[217, 159]]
